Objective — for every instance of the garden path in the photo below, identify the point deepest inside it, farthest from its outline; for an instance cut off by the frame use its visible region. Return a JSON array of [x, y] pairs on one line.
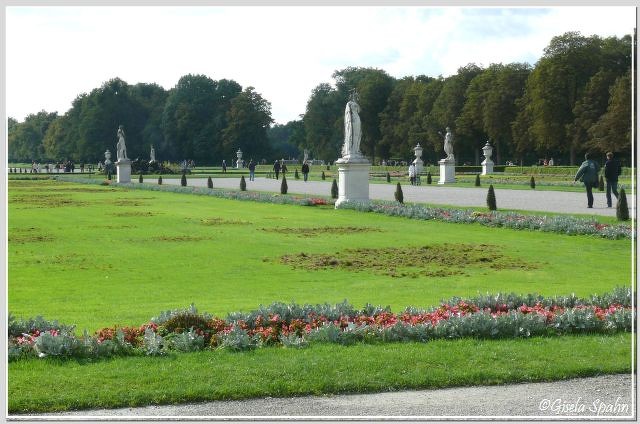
[[612, 395], [531, 200]]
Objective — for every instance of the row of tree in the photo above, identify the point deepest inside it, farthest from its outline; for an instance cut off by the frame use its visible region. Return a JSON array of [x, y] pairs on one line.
[[576, 98], [199, 119]]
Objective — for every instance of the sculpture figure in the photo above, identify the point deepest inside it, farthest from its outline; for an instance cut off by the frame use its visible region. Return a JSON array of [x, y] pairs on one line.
[[352, 128], [152, 155], [448, 145], [121, 148]]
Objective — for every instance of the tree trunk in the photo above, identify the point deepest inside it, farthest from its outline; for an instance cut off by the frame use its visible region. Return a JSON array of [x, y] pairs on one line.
[[572, 156]]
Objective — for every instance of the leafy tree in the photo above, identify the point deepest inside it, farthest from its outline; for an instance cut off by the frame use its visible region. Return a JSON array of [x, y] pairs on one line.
[[612, 132], [557, 83], [188, 117], [151, 98], [248, 121], [286, 139], [324, 133], [25, 140], [446, 109]]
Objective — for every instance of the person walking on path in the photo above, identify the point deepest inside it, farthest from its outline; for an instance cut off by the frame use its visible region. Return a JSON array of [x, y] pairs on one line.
[[276, 169], [305, 171], [612, 170], [252, 170], [283, 167], [588, 174], [412, 173]]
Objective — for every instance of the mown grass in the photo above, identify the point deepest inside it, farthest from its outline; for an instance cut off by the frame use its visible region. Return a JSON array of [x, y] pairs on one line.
[[58, 385], [96, 256]]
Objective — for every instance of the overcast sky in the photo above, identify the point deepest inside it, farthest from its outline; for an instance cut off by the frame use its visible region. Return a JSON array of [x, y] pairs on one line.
[[56, 53]]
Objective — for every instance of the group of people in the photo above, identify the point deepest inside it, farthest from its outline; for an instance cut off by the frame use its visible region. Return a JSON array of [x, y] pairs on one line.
[[61, 166], [588, 175]]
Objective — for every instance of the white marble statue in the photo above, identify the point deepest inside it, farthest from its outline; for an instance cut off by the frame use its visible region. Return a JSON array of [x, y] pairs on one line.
[[352, 129], [448, 145], [152, 154], [121, 148], [306, 156]]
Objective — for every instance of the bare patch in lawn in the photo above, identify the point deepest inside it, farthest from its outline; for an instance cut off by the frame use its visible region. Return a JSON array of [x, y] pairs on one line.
[[28, 235], [421, 261], [317, 231], [223, 221]]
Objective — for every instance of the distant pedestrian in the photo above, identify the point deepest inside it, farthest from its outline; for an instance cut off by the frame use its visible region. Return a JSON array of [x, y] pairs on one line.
[[276, 169], [305, 170], [612, 170], [283, 167], [224, 166], [412, 173], [588, 174], [252, 170]]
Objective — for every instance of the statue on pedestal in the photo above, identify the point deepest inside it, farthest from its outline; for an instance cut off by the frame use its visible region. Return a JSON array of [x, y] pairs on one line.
[[352, 127], [152, 155], [121, 148]]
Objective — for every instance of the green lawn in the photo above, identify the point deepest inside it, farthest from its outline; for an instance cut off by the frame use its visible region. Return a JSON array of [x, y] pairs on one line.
[[97, 256], [56, 385]]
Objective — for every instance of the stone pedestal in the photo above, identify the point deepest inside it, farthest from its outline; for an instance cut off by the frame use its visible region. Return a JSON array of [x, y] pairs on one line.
[[447, 171], [353, 179], [124, 170], [487, 167]]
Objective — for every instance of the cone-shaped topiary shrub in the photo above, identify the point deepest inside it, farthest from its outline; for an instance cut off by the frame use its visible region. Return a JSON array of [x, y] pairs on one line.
[[295, 175], [322, 175], [160, 180], [601, 184], [334, 189], [491, 199], [183, 180], [532, 182], [388, 177], [477, 180], [622, 208], [328, 167], [398, 194], [209, 182], [283, 185], [243, 183], [429, 180], [140, 179]]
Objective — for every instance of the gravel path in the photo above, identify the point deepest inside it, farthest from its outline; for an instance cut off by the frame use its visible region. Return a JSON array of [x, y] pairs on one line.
[[544, 201], [605, 396]]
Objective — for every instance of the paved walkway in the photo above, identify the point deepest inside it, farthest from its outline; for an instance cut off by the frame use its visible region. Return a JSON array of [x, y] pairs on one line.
[[532, 200], [605, 396]]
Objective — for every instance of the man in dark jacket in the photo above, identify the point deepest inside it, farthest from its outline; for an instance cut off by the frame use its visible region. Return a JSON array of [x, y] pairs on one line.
[[588, 174], [612, 170], [305, 171]]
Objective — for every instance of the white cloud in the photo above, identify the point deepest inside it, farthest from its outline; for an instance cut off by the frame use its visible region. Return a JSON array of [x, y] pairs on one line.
[[56, 53]]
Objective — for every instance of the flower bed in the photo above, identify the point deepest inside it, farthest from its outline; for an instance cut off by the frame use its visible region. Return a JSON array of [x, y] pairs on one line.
[[292, 325], [558, 224]]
